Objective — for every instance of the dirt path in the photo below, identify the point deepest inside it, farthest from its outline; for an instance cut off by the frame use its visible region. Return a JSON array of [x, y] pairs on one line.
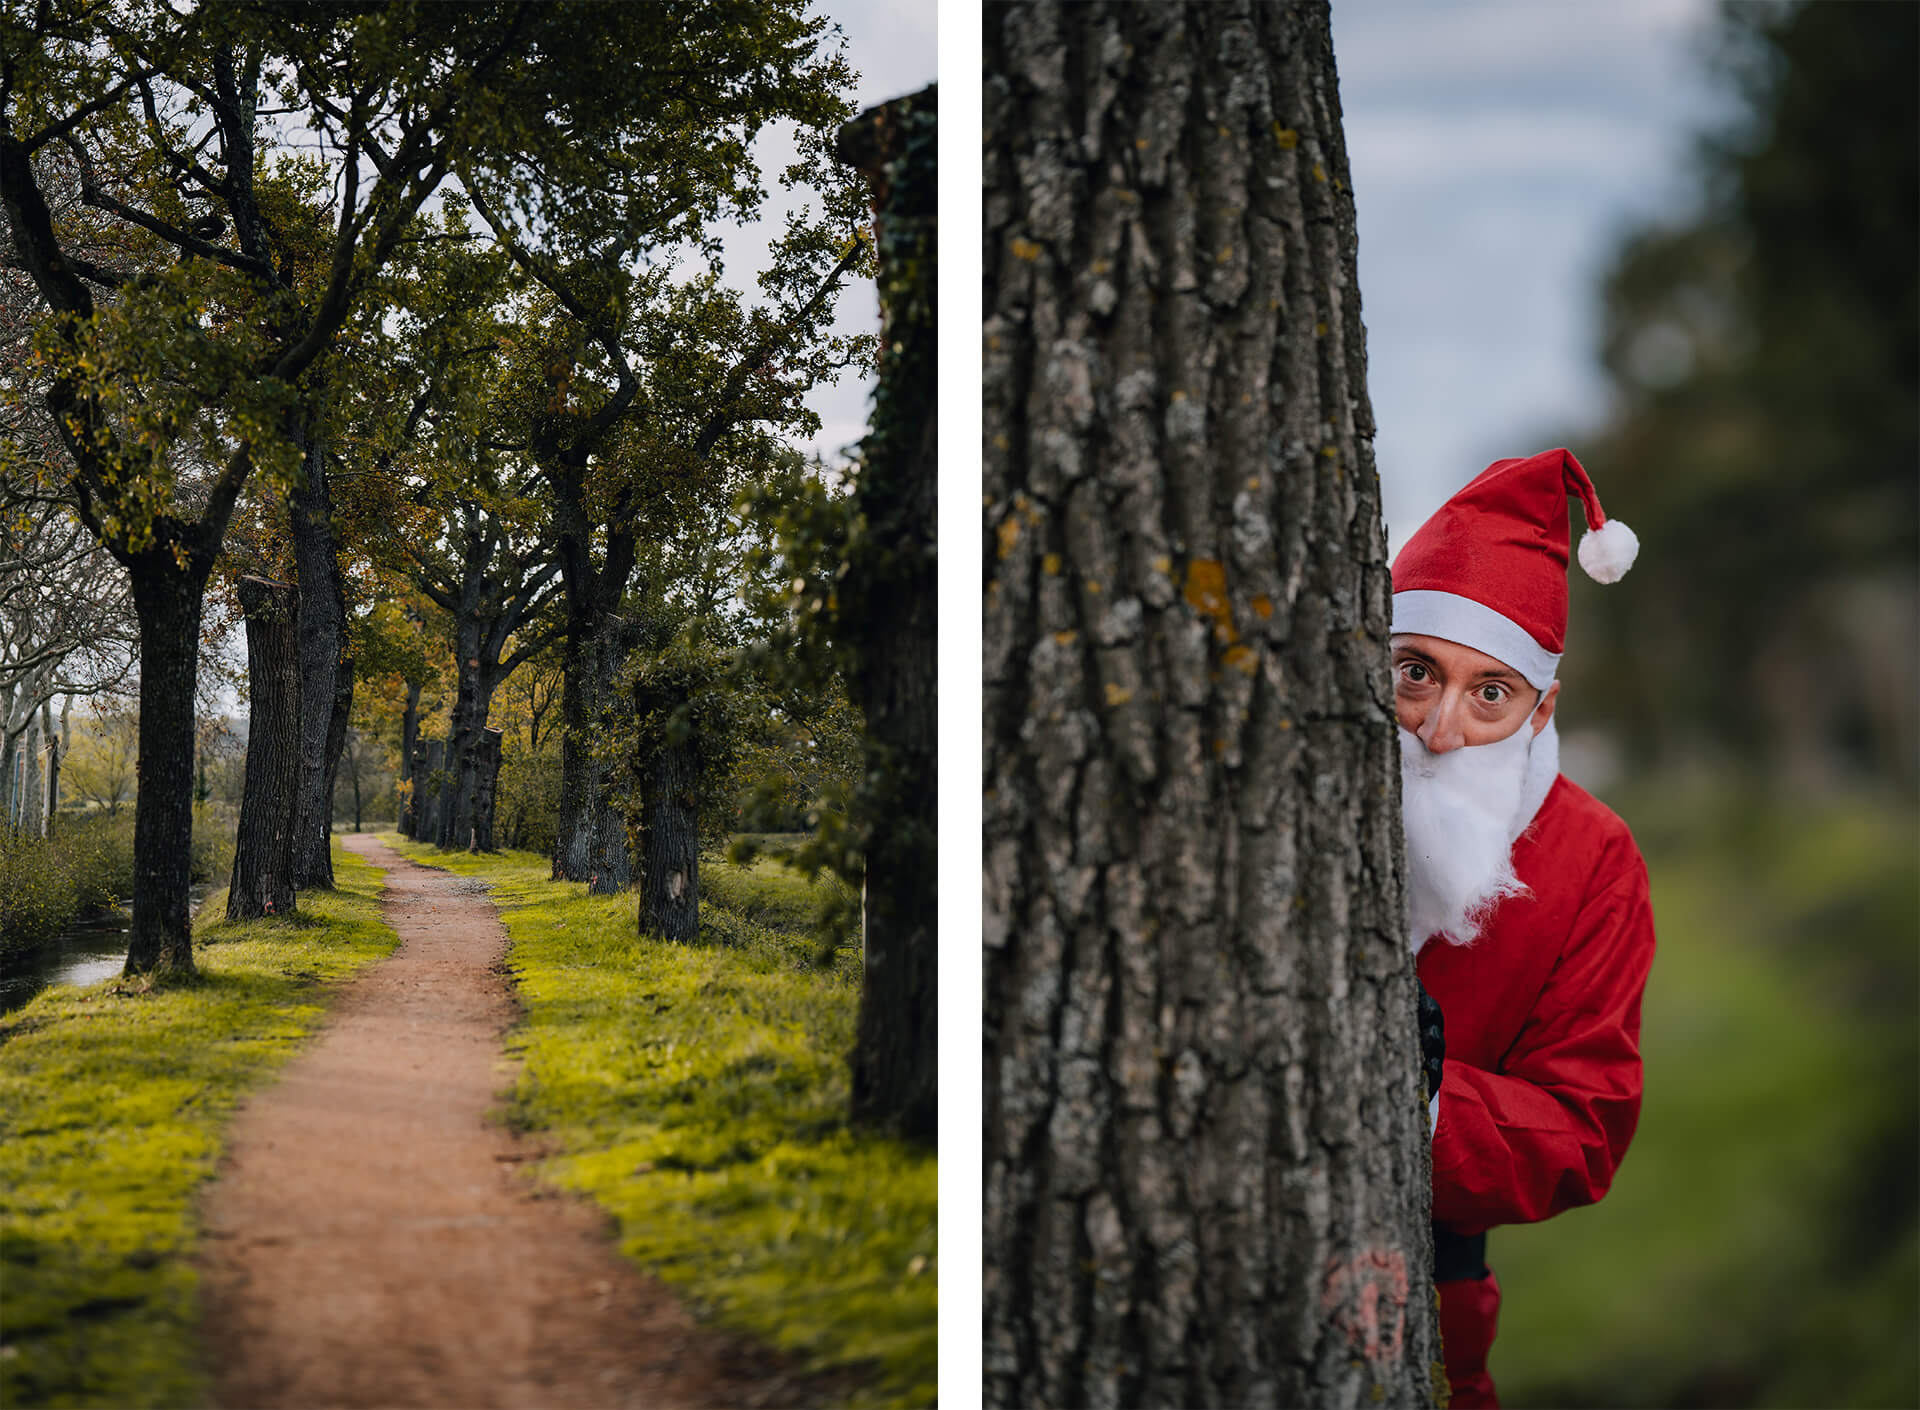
[[369, 1243]]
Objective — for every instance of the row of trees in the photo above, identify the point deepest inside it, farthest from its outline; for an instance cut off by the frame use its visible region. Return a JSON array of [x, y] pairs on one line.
[[388, 326]]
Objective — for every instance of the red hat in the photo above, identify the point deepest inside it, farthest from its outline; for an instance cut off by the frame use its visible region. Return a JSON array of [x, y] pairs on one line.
[[1489, 569]]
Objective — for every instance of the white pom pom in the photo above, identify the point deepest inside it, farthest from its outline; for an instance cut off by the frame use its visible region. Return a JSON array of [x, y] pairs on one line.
[[1608, 551]]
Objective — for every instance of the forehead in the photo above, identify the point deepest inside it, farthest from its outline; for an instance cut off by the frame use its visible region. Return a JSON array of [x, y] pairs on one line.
[[1452, 658]]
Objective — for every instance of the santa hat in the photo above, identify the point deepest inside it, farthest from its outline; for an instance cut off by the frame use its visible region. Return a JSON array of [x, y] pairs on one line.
[[1489, 569]]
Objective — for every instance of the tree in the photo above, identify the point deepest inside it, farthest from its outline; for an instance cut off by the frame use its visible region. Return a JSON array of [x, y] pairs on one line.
[[1764, 355], [263, 881], [885, 620], [1207, 1165]]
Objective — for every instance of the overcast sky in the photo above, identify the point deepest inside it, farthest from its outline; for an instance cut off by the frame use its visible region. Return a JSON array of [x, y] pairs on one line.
[[1499, 148], [891, 45]]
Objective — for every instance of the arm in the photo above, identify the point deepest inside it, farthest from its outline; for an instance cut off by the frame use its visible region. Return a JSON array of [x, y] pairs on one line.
[[1547, 1131]]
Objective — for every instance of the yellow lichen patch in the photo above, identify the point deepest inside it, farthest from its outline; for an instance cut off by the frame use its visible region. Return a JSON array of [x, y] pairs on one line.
[[1002, 443], [1206, 593], [1050, 565], [1319, 172], [1025, 249], [1009, 533], [1224, 255], [1253, 481], [1163, 564], [1286, 137], [1219, 746], [1101, 266], [1140, 144], [1263, 607], [1092, 585], [1320, 330], [1118, 694], [1226, 132], [1178, 395], [1338, 184], [1242, 659], [1331, 452], [1286, 724], [1066, 638]]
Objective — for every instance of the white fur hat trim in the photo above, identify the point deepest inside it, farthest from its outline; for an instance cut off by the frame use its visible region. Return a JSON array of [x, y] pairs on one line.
[[1608, 551]]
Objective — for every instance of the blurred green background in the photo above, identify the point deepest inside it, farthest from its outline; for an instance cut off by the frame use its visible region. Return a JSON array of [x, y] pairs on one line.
[[1748, 698]]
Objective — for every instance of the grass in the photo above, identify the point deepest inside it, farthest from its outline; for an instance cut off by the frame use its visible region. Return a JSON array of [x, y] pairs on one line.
[[699, 1093], [112, 1107], [1758, 1246], [767, 892]]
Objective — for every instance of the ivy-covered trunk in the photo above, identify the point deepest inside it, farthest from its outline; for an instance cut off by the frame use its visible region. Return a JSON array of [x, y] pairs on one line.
[[1207, 1169], [167, 600], [263, 857], [326, 673], [889, 619]]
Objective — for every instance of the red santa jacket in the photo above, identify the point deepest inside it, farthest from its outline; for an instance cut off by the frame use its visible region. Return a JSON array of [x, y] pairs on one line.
[[1541, 1089]]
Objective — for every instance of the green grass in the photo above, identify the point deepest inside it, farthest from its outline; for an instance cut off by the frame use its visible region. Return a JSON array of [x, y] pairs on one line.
[[766, 891], [112, 1108], [698, 1093], [1758, 1246]]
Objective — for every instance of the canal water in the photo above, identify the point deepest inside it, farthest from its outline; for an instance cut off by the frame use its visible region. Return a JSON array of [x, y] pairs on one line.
[[88, 953], [85, 954]]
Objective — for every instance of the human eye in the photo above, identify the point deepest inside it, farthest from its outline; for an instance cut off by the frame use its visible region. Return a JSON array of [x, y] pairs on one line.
[[1415, 673], [1492, 693]]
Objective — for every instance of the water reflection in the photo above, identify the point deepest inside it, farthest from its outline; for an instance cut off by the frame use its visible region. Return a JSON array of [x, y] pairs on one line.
[[85, 954]]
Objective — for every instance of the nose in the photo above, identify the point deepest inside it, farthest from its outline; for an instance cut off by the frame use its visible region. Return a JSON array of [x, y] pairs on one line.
[[1442, 731]]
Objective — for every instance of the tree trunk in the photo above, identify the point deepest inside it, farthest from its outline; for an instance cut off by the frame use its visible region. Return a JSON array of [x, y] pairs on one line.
[[486, 781], [336, 745], [32, 787], [430, 789], [893, 632], [322, 629], [53, 768], [572, 848], [1207, 1164], [167, 600], [610, 852], [263, 856], [409, 738], [670, 847]]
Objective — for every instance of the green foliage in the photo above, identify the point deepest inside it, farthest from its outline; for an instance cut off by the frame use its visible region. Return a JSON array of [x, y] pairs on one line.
[[698, 1092], [1759, 1244], [682, 698], [1765, 356], [112, 1103], [768, 892], [46, 884]]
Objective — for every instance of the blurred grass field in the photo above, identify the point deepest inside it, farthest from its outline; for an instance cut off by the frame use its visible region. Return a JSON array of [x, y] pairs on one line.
[[1758, 1246]]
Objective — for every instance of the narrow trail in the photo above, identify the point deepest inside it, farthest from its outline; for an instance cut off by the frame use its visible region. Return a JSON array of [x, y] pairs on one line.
[[369, 1243]]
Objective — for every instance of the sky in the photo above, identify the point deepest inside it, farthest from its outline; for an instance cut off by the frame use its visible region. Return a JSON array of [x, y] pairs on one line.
[[890, 43], [1499, 148]]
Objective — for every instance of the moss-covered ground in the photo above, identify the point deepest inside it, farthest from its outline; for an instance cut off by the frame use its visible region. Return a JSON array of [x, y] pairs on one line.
[[1758, 1246], [698, 1093], [112, 1103]]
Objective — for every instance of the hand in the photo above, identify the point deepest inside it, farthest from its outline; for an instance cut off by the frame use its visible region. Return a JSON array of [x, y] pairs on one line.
[[1433, 1052]]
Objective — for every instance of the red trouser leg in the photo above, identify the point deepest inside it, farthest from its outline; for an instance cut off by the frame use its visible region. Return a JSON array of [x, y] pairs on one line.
[[1469, 1314]]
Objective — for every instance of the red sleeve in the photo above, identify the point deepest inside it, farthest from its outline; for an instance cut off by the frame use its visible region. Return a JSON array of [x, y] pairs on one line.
[[1546, 1132]]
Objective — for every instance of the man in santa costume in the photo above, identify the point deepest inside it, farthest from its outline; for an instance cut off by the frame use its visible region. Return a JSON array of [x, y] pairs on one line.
[[1528, 898]]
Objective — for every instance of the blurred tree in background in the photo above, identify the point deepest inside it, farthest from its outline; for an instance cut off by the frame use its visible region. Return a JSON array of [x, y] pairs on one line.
[[1766, 443], [1758, 675]]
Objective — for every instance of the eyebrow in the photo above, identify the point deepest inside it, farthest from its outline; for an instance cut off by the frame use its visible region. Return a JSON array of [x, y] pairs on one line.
[[1504, 674]]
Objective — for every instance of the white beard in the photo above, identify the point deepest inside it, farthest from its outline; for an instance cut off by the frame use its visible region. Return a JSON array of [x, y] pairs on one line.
[[1462, 811]]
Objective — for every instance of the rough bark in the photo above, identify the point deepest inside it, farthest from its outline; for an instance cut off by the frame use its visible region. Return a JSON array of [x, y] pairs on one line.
[[670, 849], [894, 632], [430, 787], [1207, 1171], [53, 768], [263, 856], [486, 782], [167, 601], [610, 860], [409, 736], [324, 668]]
